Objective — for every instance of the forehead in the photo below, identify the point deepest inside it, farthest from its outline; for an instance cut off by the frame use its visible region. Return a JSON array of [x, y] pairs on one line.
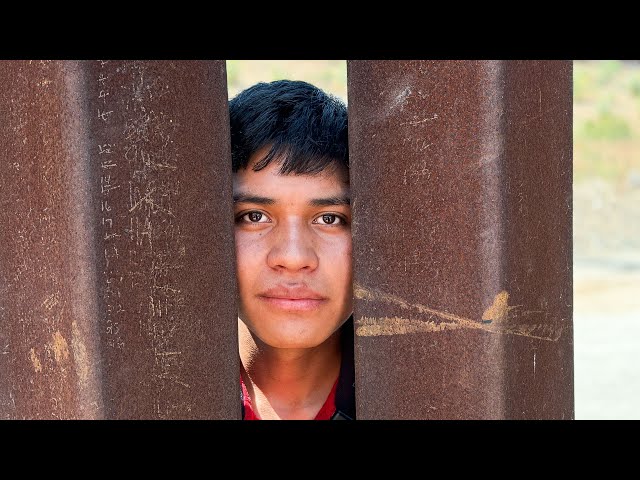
[[333, 179]]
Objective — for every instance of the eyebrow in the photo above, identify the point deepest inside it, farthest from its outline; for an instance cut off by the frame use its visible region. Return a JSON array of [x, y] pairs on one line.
[[250, 198], [327, 202], [316, 202]]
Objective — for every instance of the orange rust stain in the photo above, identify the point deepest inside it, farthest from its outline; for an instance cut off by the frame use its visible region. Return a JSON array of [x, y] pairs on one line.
[[499, 309], [79, 353], [37, 366], [60, 347]]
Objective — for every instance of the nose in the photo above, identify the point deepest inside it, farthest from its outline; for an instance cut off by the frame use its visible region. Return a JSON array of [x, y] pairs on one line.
[[292, 249]]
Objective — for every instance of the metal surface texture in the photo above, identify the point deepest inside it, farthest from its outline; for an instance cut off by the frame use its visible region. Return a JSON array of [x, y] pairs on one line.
[[116, 279], [461, 177]]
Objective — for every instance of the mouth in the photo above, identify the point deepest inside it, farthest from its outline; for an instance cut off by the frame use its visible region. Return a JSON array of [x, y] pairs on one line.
[[293, 299], [294, 304]]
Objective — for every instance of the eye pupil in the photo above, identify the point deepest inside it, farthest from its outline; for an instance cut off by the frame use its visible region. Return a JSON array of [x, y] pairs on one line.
[[328, 218], [255, 216]]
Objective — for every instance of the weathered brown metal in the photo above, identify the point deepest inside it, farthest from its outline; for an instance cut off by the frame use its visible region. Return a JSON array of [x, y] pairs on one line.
[[461, 175], [116, 283]]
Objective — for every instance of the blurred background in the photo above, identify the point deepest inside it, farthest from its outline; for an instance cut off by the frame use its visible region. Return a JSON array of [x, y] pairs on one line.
[[606, 219], [606, 238]]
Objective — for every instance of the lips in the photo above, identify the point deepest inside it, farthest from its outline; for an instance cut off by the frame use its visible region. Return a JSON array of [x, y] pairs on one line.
[[299, 298], [301, 292]]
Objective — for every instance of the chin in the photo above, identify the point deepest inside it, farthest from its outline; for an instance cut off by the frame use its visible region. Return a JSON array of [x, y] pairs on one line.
[[291, 332], [294, 337]]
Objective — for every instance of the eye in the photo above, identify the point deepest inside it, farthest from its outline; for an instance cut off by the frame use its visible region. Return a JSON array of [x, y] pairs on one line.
[[253, 217], [329, 219]]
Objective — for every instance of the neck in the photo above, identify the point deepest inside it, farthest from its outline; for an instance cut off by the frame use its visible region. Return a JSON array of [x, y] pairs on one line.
[[288, 383]]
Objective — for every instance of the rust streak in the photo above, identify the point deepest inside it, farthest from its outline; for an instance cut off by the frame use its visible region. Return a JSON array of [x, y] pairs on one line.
[[80, 355], [60, 347], [37, 366]]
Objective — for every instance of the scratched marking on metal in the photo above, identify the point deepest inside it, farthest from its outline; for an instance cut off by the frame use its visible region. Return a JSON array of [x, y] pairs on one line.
[[498, 318], [161, 144]]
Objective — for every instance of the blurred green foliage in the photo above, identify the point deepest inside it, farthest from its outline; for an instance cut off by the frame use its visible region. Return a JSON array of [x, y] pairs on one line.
[[606, 126], [607, 71], [233, 74], [582, 84], [606, 120], [634, 85]]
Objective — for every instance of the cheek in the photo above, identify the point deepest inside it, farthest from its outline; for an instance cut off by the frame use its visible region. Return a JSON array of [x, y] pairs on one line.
[[248, 255], [338, 262]]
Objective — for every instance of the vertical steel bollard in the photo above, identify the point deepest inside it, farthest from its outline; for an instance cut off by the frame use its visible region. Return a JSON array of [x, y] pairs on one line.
[[461, 175], [117, 273]]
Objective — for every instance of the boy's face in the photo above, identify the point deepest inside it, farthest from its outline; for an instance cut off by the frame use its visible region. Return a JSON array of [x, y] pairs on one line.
[[293, 249]]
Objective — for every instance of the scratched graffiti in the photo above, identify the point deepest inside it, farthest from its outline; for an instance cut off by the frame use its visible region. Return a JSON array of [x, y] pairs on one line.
[[498, 318], [154, 243], [143, 245], [105, 151]]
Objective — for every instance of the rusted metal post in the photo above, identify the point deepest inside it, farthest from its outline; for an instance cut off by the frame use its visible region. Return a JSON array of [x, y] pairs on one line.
[[461, 175], [117, 274]]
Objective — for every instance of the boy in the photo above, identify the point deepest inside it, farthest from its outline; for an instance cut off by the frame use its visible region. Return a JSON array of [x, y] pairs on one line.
[[293, 248]]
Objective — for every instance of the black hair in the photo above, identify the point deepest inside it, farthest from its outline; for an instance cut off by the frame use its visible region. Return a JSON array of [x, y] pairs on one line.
[[306, 127]]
